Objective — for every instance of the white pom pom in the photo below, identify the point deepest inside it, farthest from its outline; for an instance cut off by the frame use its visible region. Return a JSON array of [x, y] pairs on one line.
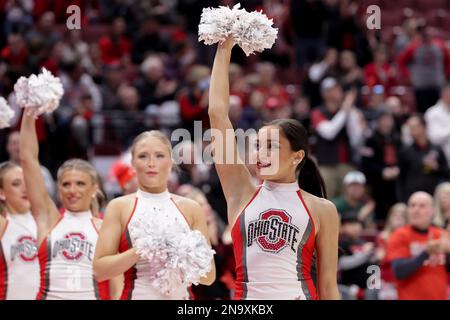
[[178, 257], [252, 31], [216, 24], [39, 94], [6, 113]]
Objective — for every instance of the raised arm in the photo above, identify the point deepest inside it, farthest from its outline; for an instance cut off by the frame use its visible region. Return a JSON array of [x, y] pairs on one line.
[[327, 250], [42, 206], [234, 177], [108, 263]]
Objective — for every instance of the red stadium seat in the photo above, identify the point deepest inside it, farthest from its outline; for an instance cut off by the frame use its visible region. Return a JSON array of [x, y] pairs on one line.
[[425, 5]]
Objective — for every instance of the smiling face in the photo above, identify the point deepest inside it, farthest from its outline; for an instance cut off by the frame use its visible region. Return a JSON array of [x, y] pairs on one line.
[[12, 190], [76, 189], [153, 163], [276, 161]]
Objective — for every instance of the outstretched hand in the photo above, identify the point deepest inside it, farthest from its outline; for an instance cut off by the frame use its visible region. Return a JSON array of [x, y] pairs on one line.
[[228, 44]]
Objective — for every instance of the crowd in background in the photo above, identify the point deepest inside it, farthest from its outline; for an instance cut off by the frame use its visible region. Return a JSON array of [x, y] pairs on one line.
[[376, 103]]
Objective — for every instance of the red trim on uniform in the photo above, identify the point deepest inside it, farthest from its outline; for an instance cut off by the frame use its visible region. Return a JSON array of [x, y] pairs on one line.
[[132, 213], [43, 258], [130, 274], [191, 293], [3, 274], [307, 253], [103, 290], [236, 236], [184, 216], [102, 286]]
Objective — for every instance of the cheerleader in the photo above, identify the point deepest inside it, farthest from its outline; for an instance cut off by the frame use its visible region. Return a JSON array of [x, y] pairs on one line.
[[66, 241], [19, 265], [116, 251], [280, 227]]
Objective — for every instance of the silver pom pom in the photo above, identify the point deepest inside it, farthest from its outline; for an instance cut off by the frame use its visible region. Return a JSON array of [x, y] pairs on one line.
[[178, 257], [252, 31], [6, 113], [39, 94]]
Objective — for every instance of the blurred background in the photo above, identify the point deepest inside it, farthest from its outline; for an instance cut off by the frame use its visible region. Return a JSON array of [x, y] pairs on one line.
[[136, 65]]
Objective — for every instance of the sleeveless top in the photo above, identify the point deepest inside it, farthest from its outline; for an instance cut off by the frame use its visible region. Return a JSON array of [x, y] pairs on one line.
[[274, 243], [66, 256], [137, 283], [19, 265]]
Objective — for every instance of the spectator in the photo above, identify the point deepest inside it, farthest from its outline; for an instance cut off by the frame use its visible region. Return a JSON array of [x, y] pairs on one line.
[[193, 99], [16, 56], [429, 67], [74, 48], [417, 256], [422, 165], [442, 203], [355, 201], [45, 31], [149, 40], [397, 217], [18, 17], [355, 257], [380, 163], [153, 85], [76, 83], [127, 121], [380, 71], [400, 114], [438, 120], [116, 47], [337, 130], [375, 103], [113, 78], [350, 74], [326, 67], [406, 34]]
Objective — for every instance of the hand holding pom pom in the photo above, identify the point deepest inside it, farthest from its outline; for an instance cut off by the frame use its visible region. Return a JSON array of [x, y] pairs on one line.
[[176, 255], [6, 113], [39, 94], [252, 31]]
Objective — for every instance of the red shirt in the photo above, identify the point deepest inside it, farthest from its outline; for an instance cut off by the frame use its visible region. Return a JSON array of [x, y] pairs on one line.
[[113, 52], [430, 281]]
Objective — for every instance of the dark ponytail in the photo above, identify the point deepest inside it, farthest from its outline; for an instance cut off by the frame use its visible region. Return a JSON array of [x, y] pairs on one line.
[[309, 177]]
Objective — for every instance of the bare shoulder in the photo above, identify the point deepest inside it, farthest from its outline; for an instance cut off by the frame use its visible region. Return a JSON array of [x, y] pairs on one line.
[[121, 207], [190, 208], [322, 210]]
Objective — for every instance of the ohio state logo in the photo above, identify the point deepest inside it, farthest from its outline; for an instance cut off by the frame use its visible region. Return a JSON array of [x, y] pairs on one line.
[[25, 249], [273, 231], [73, 247]]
